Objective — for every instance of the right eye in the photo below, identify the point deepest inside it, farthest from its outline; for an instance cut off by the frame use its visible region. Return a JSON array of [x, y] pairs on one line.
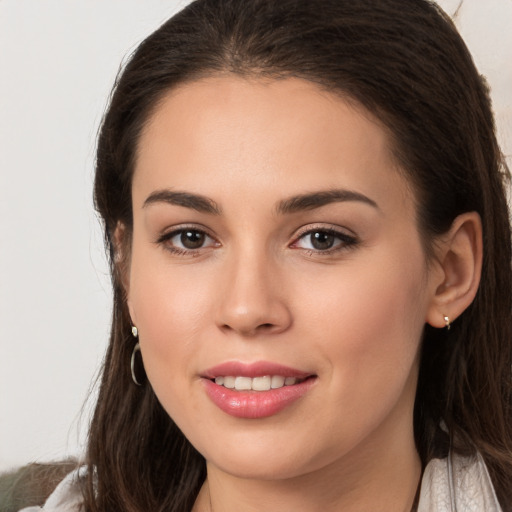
[[187, 240]]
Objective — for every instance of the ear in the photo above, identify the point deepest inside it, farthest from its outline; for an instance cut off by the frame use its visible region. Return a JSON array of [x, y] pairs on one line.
[[459, 259], [121, 241]]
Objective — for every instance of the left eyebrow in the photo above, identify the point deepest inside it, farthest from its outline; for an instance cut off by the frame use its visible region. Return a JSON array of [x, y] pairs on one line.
[[312, 200]]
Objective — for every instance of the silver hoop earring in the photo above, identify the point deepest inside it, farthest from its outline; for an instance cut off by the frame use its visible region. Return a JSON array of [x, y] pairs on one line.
[[448, 325], [136, 349]]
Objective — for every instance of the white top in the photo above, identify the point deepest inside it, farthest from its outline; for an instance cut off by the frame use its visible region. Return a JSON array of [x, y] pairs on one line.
[[457, 484], [454, 484]]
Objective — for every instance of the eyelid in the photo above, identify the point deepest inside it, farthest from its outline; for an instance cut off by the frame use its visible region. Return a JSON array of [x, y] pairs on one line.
[[165, 233], [330, 228]]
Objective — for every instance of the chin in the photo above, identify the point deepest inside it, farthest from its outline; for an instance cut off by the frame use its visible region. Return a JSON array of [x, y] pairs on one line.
[[265, 456], [260, 468]]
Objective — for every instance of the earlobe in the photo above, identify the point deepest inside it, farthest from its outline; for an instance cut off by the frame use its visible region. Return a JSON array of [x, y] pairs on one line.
[[459, 257]]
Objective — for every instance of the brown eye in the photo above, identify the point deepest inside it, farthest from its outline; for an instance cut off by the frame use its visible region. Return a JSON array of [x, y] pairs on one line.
[[324, 240], [321, 240], [191, 239], [187, 241]]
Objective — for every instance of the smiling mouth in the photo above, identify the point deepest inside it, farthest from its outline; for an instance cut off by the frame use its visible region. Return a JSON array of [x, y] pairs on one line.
[[257, 390], [263, 383]]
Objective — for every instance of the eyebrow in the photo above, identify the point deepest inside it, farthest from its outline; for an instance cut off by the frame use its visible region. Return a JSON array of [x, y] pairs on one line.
[[195, 201], [301, 202], [310, 201]]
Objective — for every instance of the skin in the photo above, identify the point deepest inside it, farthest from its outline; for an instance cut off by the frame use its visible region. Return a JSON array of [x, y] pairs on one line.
[[257, 289]]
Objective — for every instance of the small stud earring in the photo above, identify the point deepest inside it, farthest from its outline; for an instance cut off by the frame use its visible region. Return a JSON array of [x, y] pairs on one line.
[[447, 323], [135, 331]]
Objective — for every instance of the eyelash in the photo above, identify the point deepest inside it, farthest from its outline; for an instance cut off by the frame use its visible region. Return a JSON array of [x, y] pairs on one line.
[[345, 241]]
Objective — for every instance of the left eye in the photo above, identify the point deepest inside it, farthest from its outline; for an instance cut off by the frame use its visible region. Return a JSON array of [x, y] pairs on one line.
[[324, 240]]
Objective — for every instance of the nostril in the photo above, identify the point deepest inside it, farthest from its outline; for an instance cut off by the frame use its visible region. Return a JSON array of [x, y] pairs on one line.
[[251, 331], [265, 328]]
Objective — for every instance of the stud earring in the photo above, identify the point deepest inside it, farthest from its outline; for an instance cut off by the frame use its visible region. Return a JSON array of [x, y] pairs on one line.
[[447, 323], [133, 363]]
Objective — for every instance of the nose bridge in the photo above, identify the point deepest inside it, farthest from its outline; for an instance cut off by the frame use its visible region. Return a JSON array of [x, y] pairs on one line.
[[253, 299]]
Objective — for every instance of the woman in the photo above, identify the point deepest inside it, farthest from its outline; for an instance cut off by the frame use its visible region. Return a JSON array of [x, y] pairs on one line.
[[310, 245]]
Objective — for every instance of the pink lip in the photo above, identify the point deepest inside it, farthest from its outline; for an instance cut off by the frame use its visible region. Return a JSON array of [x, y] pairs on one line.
[[257, 369], [255, 404]]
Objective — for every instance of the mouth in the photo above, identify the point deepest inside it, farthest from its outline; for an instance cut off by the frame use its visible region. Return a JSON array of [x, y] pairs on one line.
[[256, 390]]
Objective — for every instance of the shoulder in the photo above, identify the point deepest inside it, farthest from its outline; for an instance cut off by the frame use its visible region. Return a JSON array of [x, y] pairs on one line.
[[67, 496], [29, 487], [457, 483]]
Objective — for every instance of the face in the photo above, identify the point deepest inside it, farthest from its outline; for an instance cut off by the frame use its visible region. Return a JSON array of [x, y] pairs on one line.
[[275, 240]]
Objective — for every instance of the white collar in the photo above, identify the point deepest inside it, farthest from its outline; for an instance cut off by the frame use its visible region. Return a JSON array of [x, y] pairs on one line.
[[457, 484]]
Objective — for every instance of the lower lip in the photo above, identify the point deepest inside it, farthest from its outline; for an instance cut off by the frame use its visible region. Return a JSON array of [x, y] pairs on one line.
[[255, 404]]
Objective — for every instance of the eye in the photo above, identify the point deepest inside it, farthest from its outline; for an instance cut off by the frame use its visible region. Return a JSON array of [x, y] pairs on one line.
[[324, 240], [187, 240]]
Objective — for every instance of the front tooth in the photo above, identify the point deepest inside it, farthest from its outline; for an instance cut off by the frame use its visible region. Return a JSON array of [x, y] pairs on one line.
[[219, 380], [261, 383], [229, 382], [277, 381], [290, 381], [243, 383]]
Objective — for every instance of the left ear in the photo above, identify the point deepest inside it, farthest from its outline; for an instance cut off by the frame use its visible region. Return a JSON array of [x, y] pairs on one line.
[[459, 259]]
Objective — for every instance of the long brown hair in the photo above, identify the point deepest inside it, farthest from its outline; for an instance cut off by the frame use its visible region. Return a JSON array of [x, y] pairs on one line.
[[405, 62]]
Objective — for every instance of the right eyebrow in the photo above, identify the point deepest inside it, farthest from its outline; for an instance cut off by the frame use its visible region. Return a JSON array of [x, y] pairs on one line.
[[196, 202]]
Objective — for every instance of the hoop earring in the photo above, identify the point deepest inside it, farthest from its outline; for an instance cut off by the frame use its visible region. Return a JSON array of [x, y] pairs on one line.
[[132, 364], [136, 349], [447, 322]]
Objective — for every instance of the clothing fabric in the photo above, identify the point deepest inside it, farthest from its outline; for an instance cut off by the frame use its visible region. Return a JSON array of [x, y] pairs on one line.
[[457, 484], [67, 496], [453, 484]]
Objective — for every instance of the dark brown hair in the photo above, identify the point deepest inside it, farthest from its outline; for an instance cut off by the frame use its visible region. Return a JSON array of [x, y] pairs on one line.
[[405, 62]]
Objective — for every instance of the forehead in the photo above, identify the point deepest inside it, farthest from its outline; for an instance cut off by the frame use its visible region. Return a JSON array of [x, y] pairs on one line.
[[230, 134]]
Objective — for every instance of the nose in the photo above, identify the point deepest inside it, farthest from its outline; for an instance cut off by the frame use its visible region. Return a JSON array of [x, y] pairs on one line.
[[253, 300]]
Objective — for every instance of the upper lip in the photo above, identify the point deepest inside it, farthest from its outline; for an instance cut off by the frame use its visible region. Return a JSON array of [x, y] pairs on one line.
[[256, 369]]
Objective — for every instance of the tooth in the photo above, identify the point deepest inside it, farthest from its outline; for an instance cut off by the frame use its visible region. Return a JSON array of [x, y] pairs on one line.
[[277, 381], [290, 381], [243, 383], [229, 382], [219, 380], [261, 383]]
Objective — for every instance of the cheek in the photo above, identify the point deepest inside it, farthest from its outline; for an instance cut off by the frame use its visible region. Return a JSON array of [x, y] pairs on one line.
[[368, 323], [170, 308], [167, 298]]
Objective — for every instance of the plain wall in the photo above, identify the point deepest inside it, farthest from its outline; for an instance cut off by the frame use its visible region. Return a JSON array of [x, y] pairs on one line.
[[58, 60]]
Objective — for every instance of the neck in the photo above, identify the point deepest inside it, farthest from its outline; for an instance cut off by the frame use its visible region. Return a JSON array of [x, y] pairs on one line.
[[381, 477]]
